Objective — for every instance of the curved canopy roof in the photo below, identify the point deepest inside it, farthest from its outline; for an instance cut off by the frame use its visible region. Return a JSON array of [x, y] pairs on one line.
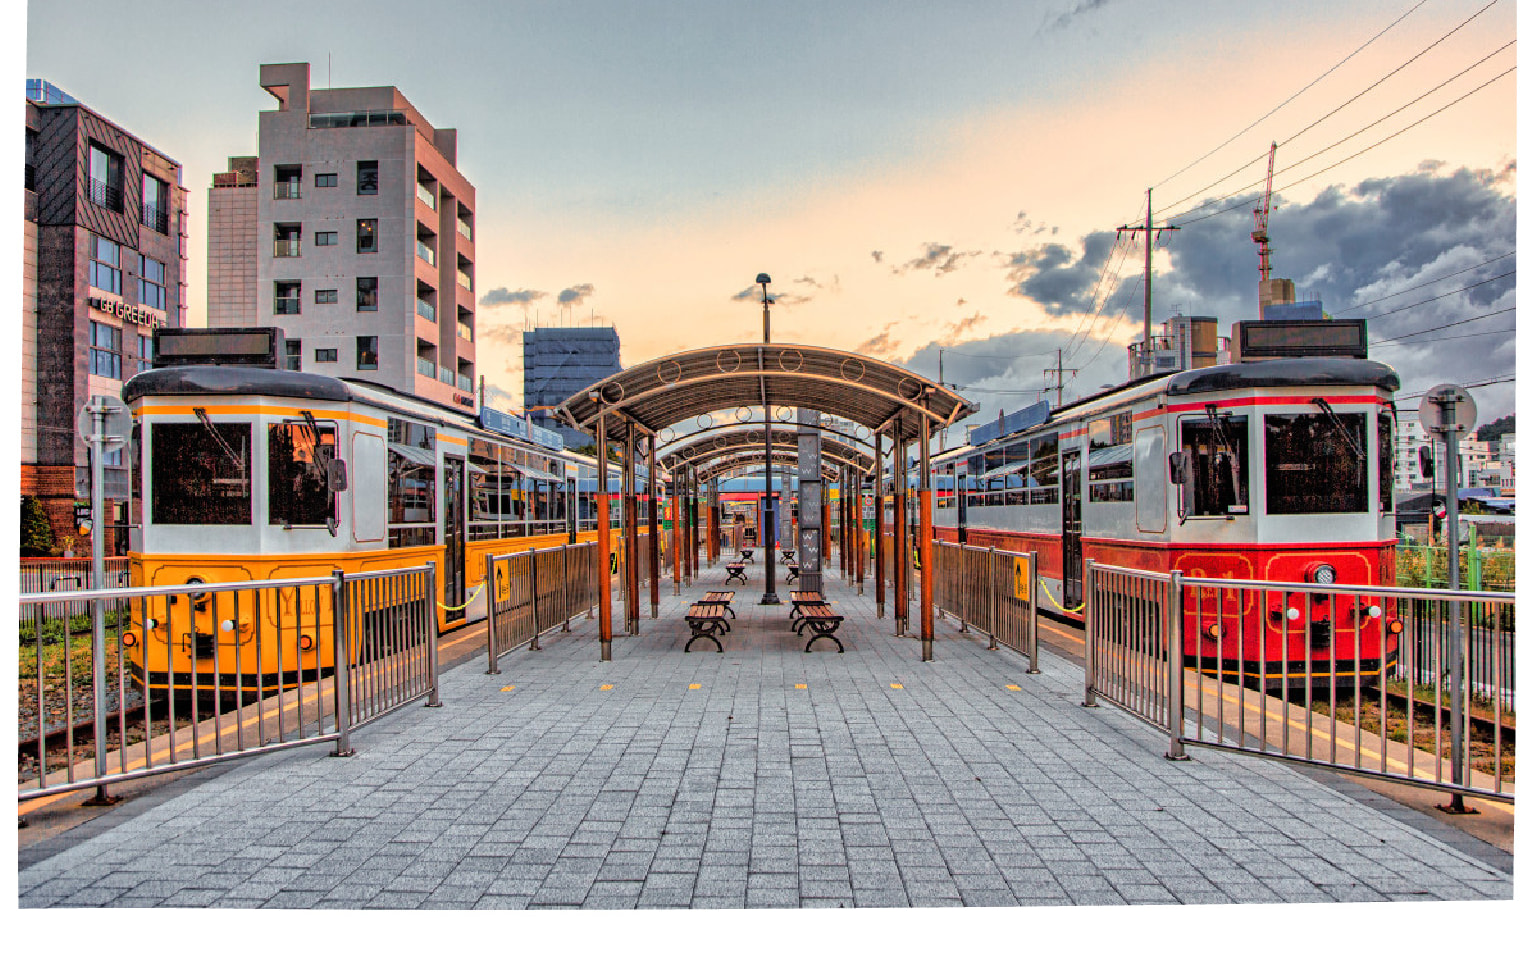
[[674, 388], [746, 459], [700, 452]]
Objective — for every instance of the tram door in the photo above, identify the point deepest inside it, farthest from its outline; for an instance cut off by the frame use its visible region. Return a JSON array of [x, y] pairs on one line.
[[1071, 527], [453, 537]]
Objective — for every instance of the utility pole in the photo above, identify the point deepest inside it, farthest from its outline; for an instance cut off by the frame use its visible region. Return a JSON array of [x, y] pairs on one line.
[[1060, 377], [1151, 237]]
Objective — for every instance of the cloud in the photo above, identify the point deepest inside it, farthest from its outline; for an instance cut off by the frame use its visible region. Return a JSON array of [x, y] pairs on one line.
[[498, 398], [1079, 9], [938, 257], [1022, 223], [809, 281], [501, 296], [508, 333], [879, 256], [749, 293], [1061, 281], [879, 345], [965, 324], [575, 295]]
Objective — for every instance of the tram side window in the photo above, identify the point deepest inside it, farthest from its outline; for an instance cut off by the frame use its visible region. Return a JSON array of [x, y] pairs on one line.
[[1217, 466], [200, 475], [485, 478], [412, 484], [1386, 450], [1045, 470], [1315, 463], [1110, 465], [298, 491]]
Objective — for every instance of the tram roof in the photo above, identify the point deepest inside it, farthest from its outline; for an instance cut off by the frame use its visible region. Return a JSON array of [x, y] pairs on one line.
[[671, 389], [1273, 373]]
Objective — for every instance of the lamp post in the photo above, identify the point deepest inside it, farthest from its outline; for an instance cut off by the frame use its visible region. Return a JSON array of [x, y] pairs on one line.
[[769, 514]]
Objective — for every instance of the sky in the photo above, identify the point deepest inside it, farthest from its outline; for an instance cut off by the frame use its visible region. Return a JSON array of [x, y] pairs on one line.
[[912, 176]]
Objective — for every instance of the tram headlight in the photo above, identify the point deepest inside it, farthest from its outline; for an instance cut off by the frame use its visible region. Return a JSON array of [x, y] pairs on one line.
[[1373, 612], [151, 624], [1323, 574], [199, 599]]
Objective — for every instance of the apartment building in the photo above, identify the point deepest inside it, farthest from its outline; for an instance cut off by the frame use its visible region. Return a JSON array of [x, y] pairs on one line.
[[363, 239], [104, 264]]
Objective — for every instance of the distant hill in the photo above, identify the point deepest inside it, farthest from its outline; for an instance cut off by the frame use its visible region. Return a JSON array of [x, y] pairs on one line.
[[1495, 429]]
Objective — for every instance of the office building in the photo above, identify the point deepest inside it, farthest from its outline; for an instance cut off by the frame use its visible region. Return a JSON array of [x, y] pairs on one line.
[[363, 239], [104, 263], [560, 361]]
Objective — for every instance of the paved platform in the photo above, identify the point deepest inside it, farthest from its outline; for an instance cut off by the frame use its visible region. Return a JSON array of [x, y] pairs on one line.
[[760, 777]]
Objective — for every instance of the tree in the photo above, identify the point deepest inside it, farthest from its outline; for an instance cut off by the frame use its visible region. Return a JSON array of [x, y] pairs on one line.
[[36, 532], [1495, 429]]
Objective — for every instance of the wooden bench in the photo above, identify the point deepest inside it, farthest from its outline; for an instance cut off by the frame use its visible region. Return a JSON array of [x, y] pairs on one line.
[[746, 556], [720, 598], [801, 599], [823, 623], [735, 571], [788, 555], [793, 571], [707, 620]]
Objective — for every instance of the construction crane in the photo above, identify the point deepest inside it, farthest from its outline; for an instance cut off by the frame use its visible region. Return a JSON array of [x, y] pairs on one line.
[[1261, 219]]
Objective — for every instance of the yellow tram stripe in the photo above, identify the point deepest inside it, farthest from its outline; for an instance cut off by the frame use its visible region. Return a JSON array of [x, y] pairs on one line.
[[234, 409]]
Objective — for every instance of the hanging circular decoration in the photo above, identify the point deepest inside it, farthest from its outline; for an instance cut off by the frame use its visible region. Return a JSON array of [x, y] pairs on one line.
[[852, 370], [791, 361], [727, 360], [704, 421], [667, 435], [743, 414], [783, 413], [613, 392], [669, 372], [909, 390], [861, 431]]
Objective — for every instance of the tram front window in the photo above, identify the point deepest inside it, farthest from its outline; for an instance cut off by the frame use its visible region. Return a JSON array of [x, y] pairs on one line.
[[298, 493], [1315, 463], [1217, 451], [199, 474]]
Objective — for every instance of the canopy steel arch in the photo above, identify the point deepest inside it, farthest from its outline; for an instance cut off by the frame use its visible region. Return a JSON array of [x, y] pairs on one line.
[[748, 458], [668, 437], [866, 391], [710, 447]]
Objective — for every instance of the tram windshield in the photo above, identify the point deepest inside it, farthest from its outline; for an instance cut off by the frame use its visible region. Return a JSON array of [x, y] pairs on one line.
[[1315, 463], [199, 474], [1217, 450], [298, 492]]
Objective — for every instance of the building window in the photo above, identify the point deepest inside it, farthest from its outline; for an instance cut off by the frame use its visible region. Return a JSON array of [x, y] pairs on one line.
[[155, 213], [287, 238], [322, 180], [287, 295], [146, 352], [367, 352], [106, 178], [287, 182], [152, 283], [106, 351], [367, 177], [367, 294], [367, 236], [325, 355], [105, 271], [294, 354], [325, 296], [325, 238]]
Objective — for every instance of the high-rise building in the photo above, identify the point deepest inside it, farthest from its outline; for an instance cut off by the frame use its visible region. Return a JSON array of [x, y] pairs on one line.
[[104, 264], [364, 239], [560, 361]]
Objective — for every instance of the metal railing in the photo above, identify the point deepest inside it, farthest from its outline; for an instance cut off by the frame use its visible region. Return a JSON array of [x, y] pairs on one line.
[[285, 190], [427, 193], [992, 591], [1415, 685], [105, 195], [155, 217], [64, 575], [426, 310], [426, 254], [286, 248], [426, 367], [176, 677], [533, 592]]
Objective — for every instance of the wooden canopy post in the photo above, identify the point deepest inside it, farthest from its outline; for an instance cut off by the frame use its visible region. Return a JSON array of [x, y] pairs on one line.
[[879, 525], [654, 546], [604, 546], [925, 540]]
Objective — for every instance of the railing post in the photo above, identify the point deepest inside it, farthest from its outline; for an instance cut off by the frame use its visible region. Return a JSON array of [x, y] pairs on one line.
[[342, 676], [431, 630], [533, 598], [993, 596], [1175, 684], [565, 584], [1090, 652], [492, 668], [1033, 613]]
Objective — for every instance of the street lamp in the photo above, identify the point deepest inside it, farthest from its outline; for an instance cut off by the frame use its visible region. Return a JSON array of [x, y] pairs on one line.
[[769, 515]]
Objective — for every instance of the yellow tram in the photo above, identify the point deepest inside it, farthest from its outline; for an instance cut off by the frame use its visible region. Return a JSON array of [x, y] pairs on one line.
[[244, 474]]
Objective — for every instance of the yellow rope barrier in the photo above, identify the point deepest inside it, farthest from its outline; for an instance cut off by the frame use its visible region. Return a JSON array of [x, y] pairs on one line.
[[1057, 604], [460, 608]]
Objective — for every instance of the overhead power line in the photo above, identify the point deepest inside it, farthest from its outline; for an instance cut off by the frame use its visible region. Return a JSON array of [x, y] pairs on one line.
[[1372, 302], [1443, 295], [1458, 322], [1393, 344], [1293, 96]]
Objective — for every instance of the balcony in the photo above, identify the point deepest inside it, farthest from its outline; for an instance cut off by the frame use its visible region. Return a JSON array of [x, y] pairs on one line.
[[286, 247], [426, 367], [445, 375], [466, 383], [426, 194], [465, 280], [286, 189], [105, 195], [287, 305], [465, 331], [155, 217], [425, 252], [426, 310], [466, 231]]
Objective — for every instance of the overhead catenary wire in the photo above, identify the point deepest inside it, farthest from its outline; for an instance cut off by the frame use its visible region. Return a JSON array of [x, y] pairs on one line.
[[1443, 295], [1380, 299], [1394, 344], [1431, 329]]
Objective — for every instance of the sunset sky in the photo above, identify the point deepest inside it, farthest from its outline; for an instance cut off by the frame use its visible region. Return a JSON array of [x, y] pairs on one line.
[[911, 175]]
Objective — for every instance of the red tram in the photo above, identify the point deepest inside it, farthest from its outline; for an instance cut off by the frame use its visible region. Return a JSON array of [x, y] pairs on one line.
[[1278, 471]]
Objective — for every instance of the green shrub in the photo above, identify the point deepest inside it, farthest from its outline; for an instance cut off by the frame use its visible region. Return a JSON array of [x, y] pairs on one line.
[[36, 532]]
